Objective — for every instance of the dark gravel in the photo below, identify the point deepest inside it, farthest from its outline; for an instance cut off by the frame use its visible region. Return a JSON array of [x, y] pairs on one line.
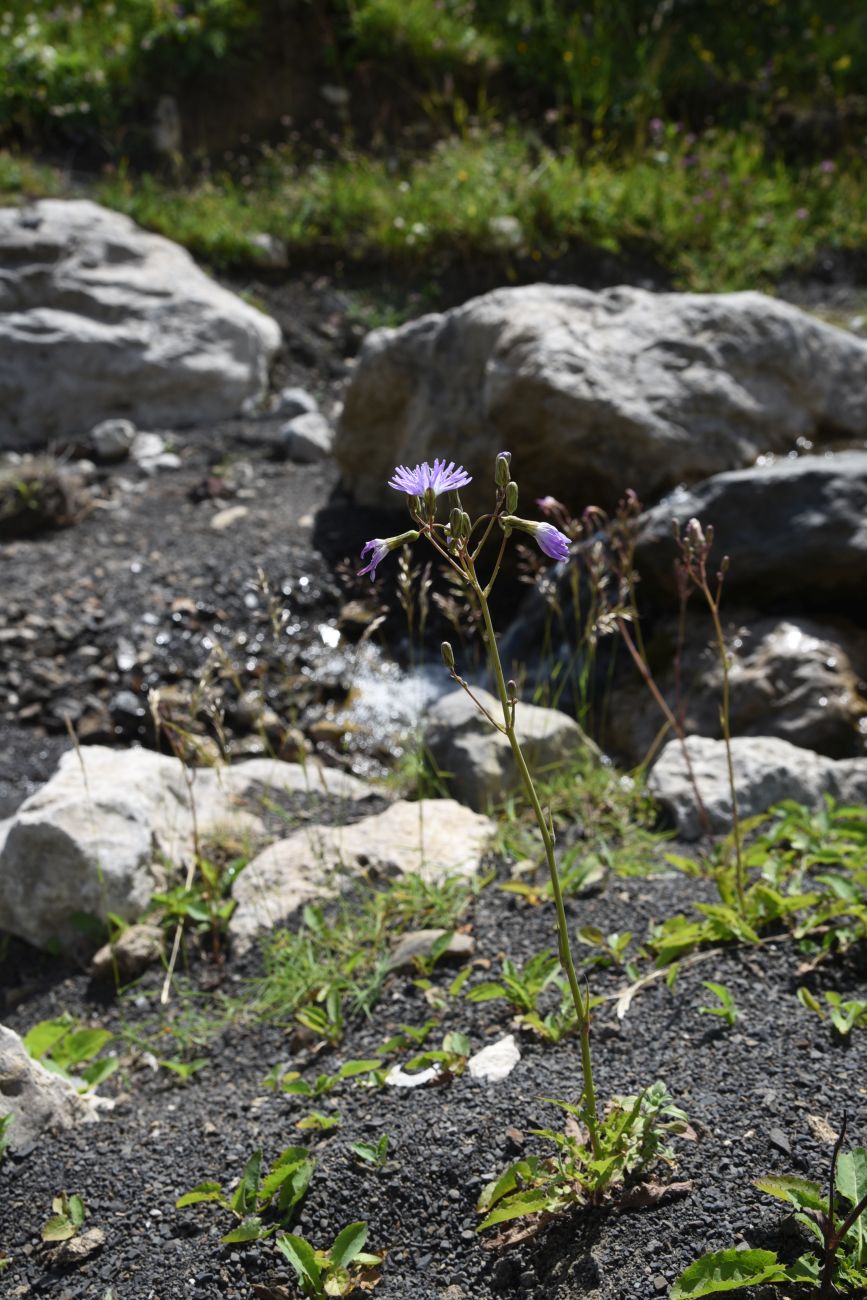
[[748, 1091]]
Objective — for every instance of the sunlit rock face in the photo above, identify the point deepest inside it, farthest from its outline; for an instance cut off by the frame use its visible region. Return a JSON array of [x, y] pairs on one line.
[[594, 393], [99, 319]]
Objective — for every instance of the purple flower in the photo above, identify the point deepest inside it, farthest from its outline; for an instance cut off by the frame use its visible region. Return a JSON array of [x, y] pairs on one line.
[[377, 549], [439, 477], [554, 543]]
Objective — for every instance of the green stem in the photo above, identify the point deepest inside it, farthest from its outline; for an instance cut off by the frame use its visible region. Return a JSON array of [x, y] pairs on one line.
[[582, 1009], [727, 736]]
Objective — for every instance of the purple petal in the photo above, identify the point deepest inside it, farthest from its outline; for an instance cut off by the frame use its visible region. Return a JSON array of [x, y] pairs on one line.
[[378, 549], [441, 477], [554, 543]]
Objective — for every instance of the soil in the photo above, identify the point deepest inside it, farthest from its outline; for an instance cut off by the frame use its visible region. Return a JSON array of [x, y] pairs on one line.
[[134, 597]]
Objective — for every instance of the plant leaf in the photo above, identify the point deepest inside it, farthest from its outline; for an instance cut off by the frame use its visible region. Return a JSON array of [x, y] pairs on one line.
[[348, 1244], [801, 1192], [244, 1201], [851, 1182], [515, 1208], [208, 1191], [727, 1270], [302, 1257], [249, 1229]]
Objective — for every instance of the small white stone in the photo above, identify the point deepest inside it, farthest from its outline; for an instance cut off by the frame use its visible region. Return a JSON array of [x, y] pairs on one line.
[[225, 518], [493, 1063]]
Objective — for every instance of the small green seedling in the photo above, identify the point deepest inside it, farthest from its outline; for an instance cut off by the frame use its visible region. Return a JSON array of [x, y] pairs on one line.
[[727, 1010], [373, 1154], [451, 1058], [407, 1036], [291, 1080], [324, 1018], [185, 1069], [334, 1272], [520, 987], [63, 1046], [280, 1191], [845, 1016], [612, 947], [839, 1262], [68, 1217], [319, 1121]]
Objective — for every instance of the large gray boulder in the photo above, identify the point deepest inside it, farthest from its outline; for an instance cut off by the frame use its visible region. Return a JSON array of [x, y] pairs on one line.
[[38, 1101], [597, 392], [99, 319], [791, 528], [797, 678], [477, 761], [101, 834], [766, 771]]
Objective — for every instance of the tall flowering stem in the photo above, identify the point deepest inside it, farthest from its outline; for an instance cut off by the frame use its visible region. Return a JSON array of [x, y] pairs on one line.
[[453, 541]]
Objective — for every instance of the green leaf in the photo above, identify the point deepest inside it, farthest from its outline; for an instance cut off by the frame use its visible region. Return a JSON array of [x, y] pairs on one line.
[[42, 1037], [516, 1175], [207, 1191], [727, 1270], [801, 1192], [806, 999], [58, 1228], [348, 1244], [518, 1206], [80, 1045], [302, 1257], [76, 1210], [486, 993], [457, 1043], [250, 1229], [98, 1071], [851, 1183], [352, 1068], [244, 1201], [280, 1170]]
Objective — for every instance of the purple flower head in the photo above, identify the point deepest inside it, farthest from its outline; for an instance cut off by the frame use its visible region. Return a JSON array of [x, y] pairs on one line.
[[377, 549], [439, 477], [548, 538], [554, 543]]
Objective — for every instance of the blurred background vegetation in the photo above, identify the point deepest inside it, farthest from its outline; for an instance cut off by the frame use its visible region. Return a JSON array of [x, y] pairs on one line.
[[720, 144]]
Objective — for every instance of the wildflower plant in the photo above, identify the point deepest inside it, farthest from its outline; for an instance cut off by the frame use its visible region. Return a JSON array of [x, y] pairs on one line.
[[460, 543]]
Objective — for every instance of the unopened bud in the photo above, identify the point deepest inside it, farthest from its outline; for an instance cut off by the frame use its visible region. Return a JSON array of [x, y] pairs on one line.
[[694, 534], [448, 655], [708, 536], [456, 523], [724, 566], [512, 690], [511, 497], [430, 502], [502, 469]]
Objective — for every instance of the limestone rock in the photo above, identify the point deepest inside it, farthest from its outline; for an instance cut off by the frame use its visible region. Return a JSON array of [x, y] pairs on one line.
[[134, 949], [767, 770], [791, 528], [496, 1061], [434, 838], [797, 678], [112, 440], [100, 319], [477, 760], [309, 438], [597, 392], [38, 1101], [97, 844]]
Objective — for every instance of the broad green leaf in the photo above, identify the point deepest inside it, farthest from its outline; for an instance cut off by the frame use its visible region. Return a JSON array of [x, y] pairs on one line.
[[486, 993], [440, 945], [42, 1037], [348, 1244], [280, 1170], [352, 1068], [207, 1191], [806, 999], [76, 1210], [250, 1229], [515, 1176], [58, 1228], [298, 1088], [295, 1187], [518, 1206], [727, 1270], [302, 1257], [98, 1071], [801, 1192], [244, 1200], [851, 1183], [458, 1043], [80, 1045]]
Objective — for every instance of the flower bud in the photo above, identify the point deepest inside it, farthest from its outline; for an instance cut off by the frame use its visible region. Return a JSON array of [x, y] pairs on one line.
[[501, 469], [512, 690], [456, 523], [429, 501], [448, 655], [511, 497]]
